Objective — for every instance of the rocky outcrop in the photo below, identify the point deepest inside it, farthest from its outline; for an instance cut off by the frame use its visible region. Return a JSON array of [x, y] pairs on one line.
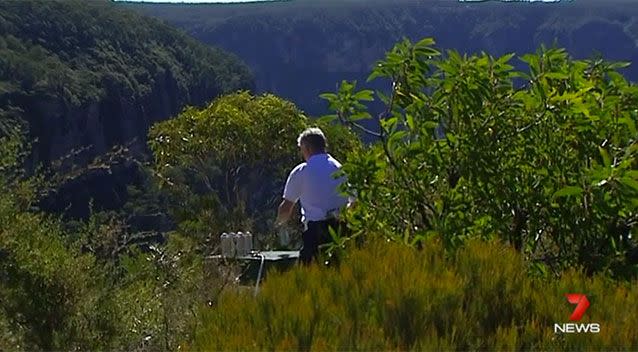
[[100, 186], [73, 136], [68, 140], [89, 77]]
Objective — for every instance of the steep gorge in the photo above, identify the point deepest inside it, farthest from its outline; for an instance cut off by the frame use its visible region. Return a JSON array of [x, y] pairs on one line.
[[299, 49], [88, 77]]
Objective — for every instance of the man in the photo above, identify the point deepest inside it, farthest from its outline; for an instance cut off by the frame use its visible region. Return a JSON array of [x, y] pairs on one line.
[[313, 184]]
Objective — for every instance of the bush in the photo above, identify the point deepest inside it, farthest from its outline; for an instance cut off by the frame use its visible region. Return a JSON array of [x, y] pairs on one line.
[[225, 165], [388, 296], [46, 296], [88, 288], [545, 158]]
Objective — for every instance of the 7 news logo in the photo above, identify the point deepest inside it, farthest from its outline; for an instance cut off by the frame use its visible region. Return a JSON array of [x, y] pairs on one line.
[[582, 303]]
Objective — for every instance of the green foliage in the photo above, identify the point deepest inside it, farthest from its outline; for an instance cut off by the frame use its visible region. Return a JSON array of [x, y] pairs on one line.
[[481, 298], [225, 165], [158, 295], [87, 286], [78, 50], [544, 158], [45, 289]]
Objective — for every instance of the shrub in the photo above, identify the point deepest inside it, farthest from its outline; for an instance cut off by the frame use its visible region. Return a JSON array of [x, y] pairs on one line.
[[545, 158], [87, 288], [45, 287], [392, 297], [225, 165]]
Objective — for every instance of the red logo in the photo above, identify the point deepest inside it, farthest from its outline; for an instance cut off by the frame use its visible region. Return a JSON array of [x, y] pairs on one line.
[[581, 302]]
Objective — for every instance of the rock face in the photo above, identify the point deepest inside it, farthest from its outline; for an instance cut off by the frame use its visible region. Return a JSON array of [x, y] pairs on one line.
[[74, 136], [89, 77], [300, 49]]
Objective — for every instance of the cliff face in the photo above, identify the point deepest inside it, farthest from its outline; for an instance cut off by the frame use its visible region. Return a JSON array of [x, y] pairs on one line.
[[88, 76], [73, 135], [70, 140], [303, 48]]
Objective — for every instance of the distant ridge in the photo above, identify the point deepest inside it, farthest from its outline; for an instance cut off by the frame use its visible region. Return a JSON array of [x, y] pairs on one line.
[[545, 1], [198, 2], [300, 49]]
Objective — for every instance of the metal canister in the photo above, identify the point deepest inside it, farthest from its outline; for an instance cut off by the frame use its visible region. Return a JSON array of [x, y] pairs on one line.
[[248, 241], [233, 241], [226, 244], [239, 244]]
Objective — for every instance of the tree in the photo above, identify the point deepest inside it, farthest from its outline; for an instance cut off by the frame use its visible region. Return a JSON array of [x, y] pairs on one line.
[[225, 165], [44, 285], [83, 287], [544, 158]]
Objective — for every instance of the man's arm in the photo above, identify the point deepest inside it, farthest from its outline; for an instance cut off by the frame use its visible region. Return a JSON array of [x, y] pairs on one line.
[[292, 193], [284, 212]]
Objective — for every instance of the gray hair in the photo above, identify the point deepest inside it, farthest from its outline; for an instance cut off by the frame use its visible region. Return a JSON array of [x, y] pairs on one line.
[[313, 138]]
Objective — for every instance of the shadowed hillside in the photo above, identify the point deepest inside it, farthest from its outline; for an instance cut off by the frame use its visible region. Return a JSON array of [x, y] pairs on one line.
[[88, 75], [300, 49]]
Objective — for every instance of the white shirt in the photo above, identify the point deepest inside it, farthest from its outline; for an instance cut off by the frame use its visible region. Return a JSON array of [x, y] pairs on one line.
[[313, 184]]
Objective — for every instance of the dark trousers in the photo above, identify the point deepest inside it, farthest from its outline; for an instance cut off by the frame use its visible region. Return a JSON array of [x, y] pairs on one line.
[[318, 233]]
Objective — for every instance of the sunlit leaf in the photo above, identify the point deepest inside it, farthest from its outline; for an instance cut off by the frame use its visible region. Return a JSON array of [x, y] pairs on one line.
[[568, 191]]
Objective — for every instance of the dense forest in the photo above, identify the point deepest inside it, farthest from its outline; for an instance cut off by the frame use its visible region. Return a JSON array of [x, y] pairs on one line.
[[299, 49], [87, 77], [92, 75], [489, 185], [81, 83]]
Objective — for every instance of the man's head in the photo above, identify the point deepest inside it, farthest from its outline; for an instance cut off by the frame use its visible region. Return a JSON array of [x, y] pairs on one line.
[[311, 141]]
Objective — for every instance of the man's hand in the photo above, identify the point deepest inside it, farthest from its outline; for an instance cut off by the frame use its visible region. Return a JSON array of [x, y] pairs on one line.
[[284, 212]]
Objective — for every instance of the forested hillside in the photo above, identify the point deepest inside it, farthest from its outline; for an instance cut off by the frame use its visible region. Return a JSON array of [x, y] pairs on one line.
[[300, 49], [87, 75], [492, 186], [82, 266]]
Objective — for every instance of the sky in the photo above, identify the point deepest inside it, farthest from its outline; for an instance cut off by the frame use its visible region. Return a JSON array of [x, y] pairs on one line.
[[195, 1], [238, 1]]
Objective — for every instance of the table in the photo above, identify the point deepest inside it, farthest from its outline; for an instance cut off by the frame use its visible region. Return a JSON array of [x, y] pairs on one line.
[[258, 262]]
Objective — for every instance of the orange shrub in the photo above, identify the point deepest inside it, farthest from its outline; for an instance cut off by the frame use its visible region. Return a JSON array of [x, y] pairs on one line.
[[391, 297]]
